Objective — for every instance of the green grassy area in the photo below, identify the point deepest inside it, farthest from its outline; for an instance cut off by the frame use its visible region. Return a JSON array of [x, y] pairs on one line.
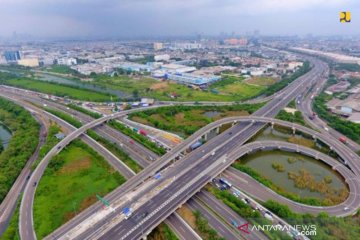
[[50, 142], [62, 69], [287, 80], [351, 67], [185, 120], [64, 116], [58, 90], [85, 111], [162, 232], [349, 129], [230, 88], [12, 230], [327, 228], [294, 118], [112, 147], [137, 137], [202, 225], [330, 200], [25, 138], [70, 184]]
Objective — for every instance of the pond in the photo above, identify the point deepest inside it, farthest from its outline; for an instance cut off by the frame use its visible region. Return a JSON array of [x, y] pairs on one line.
[[211, 114], [89, 86], [263, 162], [5, 136]]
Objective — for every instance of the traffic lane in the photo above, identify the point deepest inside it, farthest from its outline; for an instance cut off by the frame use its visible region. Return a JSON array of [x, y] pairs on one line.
[[182, 229], [220, 227], [228, 214], [8, 205], [160, 213]]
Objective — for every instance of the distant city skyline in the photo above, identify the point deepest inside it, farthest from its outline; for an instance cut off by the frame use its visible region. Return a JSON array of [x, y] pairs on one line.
[[151, 18]]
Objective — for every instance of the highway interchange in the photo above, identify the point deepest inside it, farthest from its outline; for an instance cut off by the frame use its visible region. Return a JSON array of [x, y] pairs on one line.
[[198, 167]]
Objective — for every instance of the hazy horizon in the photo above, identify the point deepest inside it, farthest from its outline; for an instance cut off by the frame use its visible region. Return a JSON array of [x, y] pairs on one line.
[[151, 18]]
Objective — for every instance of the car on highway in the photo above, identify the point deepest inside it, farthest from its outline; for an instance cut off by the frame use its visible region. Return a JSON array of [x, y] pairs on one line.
[[346, 208], [34, 184], [213, 153]]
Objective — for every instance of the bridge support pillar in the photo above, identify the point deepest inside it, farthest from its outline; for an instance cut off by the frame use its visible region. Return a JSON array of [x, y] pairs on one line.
[[314, 137], [294, 130], [206, 137], [217, 130], [272, 125]]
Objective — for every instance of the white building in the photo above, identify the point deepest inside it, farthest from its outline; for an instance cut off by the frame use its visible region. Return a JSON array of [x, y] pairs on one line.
[[67, 61], [163, 57]]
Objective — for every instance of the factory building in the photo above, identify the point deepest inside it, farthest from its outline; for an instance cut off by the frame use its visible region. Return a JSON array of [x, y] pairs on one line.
[[191, 79]]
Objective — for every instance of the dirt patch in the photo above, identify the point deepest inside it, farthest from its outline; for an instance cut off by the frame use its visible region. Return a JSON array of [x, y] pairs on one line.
[[301, 141], [179, 117], [260, 81], [76, 166], [159, 86], [83, 205], [187, 215], [87, 202]]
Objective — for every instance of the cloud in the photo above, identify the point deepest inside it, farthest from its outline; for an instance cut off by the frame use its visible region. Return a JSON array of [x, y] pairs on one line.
[[171, 17]]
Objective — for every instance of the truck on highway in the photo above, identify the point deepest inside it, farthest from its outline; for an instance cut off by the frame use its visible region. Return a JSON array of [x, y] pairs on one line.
[[195, 145], [343, 140], [225, 182]]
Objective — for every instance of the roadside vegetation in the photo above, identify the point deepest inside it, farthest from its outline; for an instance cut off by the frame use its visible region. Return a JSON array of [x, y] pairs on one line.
[[62, 69], [289, 117], [185, 120], [202, 225], [70, 184], [245, 211], [85, 111], [162, 232], [349, 129], [287, 80], [327, 228], [112, 147], [12, 230], [24, 140], [137, 137], [64, 116], [50, 142]]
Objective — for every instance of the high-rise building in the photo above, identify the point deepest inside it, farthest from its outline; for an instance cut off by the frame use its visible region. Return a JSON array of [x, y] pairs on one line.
[[158, 46], [12, 56]]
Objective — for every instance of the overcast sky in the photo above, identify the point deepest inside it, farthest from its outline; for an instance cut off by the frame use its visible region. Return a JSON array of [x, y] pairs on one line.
[[132, 18]]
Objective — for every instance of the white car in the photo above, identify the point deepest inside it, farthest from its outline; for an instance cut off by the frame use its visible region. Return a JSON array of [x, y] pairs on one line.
[[213, 153]]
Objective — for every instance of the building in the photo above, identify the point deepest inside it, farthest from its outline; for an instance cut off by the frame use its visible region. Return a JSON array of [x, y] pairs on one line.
[[177, 68], [135, 67], [28, 62], [191, 79], [158, 46], [163, 57], [66, 61], [12, 56], [186, 46], [236, 41]]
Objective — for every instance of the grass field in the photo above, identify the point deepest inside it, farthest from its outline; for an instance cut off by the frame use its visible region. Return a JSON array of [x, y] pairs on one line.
[[59, 90], [185, 120], [261, 81], [69, 185], [230, 88]]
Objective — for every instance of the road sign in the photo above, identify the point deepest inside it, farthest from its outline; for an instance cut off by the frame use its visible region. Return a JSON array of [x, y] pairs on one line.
[[105, 202]]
